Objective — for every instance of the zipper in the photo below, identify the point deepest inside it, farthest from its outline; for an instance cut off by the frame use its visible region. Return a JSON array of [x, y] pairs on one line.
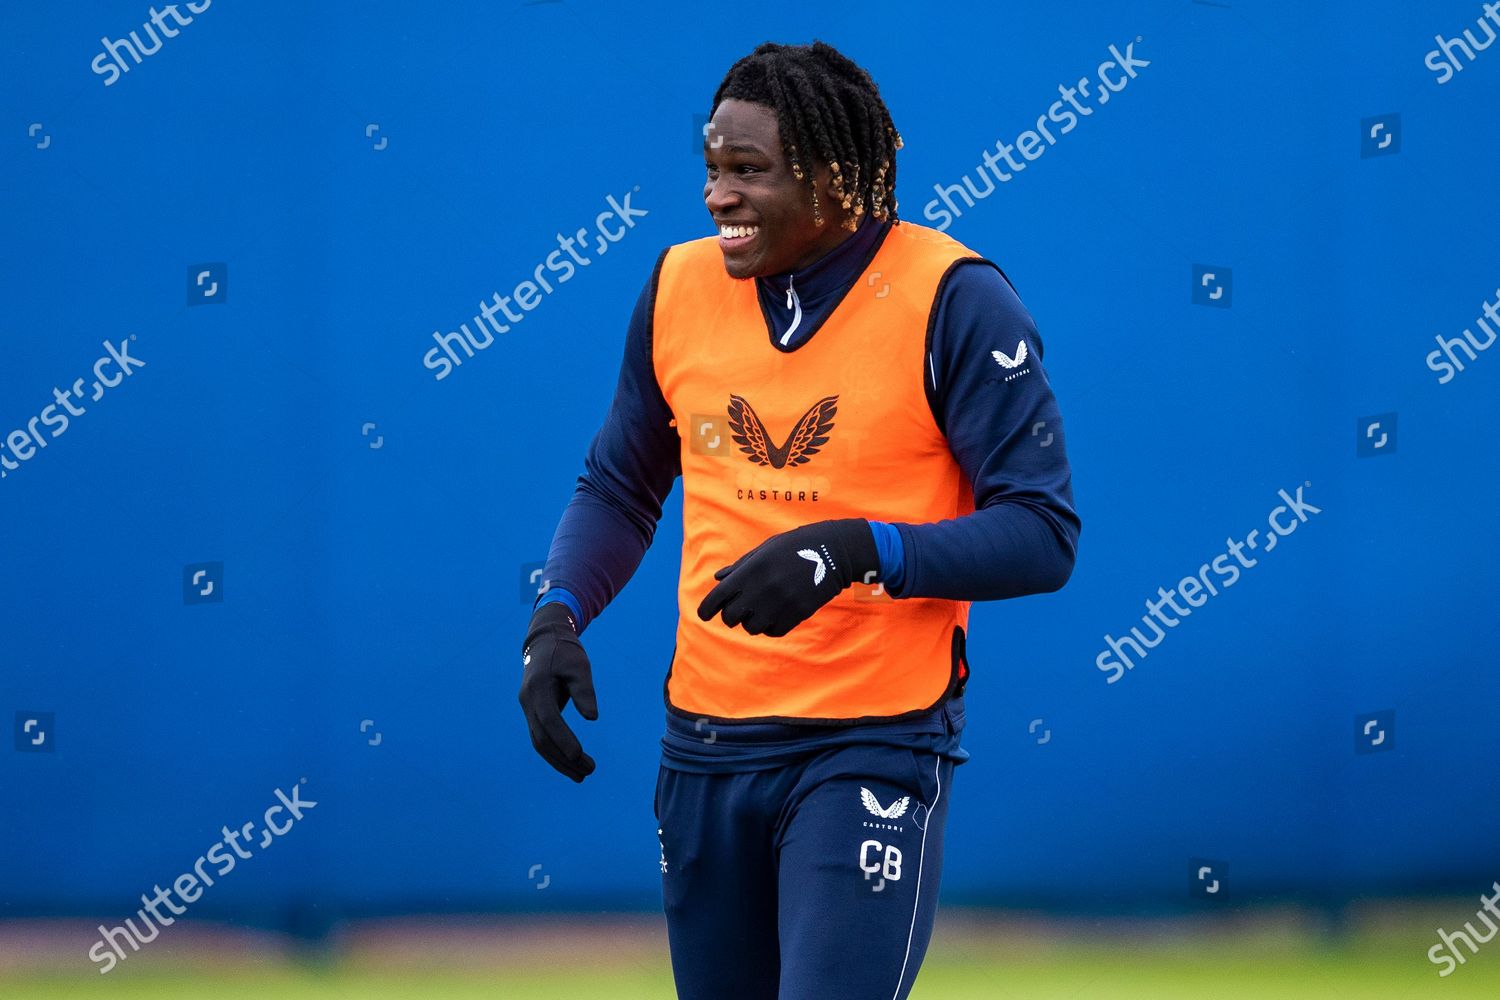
[[792, 302]]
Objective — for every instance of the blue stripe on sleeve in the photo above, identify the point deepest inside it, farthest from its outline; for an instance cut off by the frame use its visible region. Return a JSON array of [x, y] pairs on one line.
[[559, 594], [892, 562]]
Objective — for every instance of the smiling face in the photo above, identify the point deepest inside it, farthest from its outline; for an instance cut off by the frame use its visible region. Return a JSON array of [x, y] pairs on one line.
[[764, 213]]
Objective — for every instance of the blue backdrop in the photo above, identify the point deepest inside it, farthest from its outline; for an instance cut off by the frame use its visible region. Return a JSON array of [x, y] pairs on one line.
[[280, 548]]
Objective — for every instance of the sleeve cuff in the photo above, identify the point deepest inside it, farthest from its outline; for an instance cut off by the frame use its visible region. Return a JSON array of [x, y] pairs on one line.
[[892, 556], [567, 598]]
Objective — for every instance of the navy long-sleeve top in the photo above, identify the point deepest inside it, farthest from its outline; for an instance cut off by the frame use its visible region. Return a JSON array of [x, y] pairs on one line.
[[991, 399]]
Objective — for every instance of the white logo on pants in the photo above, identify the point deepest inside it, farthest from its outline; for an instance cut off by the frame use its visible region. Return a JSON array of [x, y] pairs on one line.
[[885, 862]]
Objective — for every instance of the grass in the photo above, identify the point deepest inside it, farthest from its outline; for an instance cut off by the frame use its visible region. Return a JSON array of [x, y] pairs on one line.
[[1022, 960], [1062, 974]]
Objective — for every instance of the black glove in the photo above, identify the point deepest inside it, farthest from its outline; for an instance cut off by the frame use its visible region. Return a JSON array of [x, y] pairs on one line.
[[555, 668], [780, 583]]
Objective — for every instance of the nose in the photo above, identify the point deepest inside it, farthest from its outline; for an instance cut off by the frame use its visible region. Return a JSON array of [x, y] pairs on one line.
[[719, 195]]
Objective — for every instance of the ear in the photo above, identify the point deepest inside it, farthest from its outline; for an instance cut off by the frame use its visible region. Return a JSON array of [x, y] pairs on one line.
[[830, 204]]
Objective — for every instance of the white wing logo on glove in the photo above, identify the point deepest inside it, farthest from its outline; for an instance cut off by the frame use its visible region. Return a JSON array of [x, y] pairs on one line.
[[821, 570], [896, 810], [1005, 361], [526, 657]]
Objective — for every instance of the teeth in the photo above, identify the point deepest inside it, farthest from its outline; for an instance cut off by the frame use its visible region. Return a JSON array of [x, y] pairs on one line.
[[734, 232]]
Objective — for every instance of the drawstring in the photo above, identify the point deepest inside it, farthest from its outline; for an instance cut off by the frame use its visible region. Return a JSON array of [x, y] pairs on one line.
[[792, 302]]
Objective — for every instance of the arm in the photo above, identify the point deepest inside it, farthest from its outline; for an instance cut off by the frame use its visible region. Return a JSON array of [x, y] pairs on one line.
[[629, 470], [1007, 437], [604, 532]]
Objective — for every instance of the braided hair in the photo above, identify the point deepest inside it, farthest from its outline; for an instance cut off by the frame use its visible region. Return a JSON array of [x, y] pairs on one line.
[[830, 110]]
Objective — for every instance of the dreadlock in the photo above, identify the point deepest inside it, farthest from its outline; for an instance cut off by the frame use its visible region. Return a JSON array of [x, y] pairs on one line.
[[831, 110]]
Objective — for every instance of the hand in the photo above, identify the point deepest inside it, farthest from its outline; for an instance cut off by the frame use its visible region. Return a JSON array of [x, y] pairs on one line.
[[554, 669], [781, 582]]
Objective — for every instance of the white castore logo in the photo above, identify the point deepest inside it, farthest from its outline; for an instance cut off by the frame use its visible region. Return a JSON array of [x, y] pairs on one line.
[[820, 570], [896, 809], [1006, 361]]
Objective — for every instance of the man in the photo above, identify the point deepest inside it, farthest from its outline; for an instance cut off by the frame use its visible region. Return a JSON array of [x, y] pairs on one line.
[[867, 442]]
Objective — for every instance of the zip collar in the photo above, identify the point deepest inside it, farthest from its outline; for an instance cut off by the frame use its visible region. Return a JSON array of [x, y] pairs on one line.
[[795, 303]]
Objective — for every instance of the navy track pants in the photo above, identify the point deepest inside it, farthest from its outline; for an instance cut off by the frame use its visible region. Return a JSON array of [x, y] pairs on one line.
[[816, 880]]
